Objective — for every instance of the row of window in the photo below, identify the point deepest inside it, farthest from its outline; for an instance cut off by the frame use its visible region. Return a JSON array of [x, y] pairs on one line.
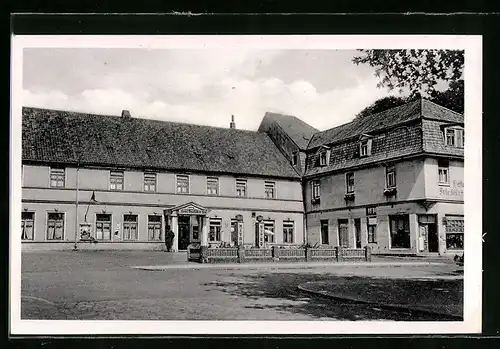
[[116, 182], [55, 229], [130, 229], [390, 179], [453, 137], [399, 229]]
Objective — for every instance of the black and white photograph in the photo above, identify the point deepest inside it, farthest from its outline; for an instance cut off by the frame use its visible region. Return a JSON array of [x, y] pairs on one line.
[[246, 184]]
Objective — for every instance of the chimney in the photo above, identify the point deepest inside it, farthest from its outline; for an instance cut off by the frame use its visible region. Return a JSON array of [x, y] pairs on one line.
[[232, 124], [126, 114]]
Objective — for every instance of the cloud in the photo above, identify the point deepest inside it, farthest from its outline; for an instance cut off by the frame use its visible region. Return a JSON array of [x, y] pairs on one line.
[[197, 86]]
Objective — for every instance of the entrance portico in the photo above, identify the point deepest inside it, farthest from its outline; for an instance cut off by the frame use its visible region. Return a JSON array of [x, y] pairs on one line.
[[189, 222]]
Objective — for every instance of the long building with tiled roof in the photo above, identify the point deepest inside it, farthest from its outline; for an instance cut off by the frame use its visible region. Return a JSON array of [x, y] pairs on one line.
[[392, 181]]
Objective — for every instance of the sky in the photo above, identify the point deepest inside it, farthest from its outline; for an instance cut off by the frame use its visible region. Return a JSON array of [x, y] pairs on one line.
[[201, 86]]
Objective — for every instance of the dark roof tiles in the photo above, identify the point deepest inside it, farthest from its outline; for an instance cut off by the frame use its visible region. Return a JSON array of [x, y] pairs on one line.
[[68, 137], [298, 131]]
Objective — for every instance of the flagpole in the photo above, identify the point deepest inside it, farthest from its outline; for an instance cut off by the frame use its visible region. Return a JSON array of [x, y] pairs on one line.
[[75, 247]]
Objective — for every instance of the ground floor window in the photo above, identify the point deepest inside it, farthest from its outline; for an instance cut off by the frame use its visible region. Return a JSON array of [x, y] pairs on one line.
[[215, 229], [130, 229], [288, 232], [103, 227], [400, 231], [154, 228], [324, 232], [269, 231], [55, 226], [234, 232], [454, 232], [27, 225], [343, 232], [371, 225]]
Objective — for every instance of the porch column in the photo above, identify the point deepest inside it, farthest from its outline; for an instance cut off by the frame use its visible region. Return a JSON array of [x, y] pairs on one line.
[[204, 231], [175, 228], [364, 232]]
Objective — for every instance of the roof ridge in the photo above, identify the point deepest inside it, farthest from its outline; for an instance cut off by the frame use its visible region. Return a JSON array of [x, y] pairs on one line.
[[145, 118]]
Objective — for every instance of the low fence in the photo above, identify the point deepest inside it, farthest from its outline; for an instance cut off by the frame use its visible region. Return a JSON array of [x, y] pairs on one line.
[[205, 254]]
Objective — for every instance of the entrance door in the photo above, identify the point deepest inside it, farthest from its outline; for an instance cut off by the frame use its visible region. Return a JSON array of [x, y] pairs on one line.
[[433, 237], [343, 233], [357, 231], [184, 232]]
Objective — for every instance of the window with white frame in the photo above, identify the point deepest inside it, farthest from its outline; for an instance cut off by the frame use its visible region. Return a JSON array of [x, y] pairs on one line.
[[130, 227], [241, 187], [443, 172], [288, 232], [150, 182], [57, 176], [154, 228], [363, 148], [212, 186], [454, 136], [182, 184], [270, 190], [349, 182], [55, 226], [269, 231], [103, 227], [316, 189], [214, 232], [116, 180], [390, 176], [27, 225]]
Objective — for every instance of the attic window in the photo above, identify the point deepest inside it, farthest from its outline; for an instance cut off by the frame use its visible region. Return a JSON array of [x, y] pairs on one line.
[[295, 158], [365, 147], [322, 158], [454, 136]]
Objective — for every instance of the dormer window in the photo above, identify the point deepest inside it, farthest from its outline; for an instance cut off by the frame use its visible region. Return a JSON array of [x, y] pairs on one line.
[[295, 159], [365, 146], [454, 136], [322, 158]]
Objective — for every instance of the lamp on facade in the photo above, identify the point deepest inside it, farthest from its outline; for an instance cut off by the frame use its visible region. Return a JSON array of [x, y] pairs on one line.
[[260, 218]]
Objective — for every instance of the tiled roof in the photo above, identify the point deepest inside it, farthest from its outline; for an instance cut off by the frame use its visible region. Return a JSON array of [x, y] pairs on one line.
[[386, 119], [67, 137], [299, 131]]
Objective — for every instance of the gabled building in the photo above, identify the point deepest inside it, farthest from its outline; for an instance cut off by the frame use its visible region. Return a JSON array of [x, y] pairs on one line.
[[391, 180], [124, 179]]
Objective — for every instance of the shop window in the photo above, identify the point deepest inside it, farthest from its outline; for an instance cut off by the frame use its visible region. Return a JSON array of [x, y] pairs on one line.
[[454, 233], [241, 187], [154, 228], [55, 226], [103, 227], [269, 231], [324, 232], [400, 231], [212, 186], [270, 190], [27, 225], [182, 184], [57, 176], [443, 172], [116, 180], [215, 230], [288, 232], [130, 228], [150, 182]]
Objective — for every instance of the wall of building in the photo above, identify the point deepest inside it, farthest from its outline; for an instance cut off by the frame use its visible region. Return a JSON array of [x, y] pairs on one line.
[[454, 191], [369, 184]]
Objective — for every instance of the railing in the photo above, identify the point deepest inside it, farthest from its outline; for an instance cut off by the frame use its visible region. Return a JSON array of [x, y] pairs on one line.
[[277, 254]]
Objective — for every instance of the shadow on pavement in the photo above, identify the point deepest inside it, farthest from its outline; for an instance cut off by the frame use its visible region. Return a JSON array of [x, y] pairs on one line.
[[279, 291]]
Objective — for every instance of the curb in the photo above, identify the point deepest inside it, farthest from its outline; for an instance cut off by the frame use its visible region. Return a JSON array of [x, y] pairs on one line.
[[377, 304], [196, 266]]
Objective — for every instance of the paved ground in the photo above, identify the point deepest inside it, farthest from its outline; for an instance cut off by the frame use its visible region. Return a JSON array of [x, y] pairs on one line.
[[103, 285]]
